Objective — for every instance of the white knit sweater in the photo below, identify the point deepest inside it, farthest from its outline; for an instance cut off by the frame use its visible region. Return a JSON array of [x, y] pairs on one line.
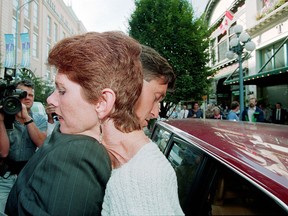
[[146, 185]]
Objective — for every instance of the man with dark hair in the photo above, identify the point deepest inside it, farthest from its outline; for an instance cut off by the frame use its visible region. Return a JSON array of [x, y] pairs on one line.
[[17, 145], [159, 77], [195, 111], [232, 115], [278, 114]]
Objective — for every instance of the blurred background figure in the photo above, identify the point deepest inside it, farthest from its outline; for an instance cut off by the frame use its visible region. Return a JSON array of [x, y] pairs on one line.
[[233, 114], [278, 114], [183, 113], [252, 113], [217, 114], [174, 114], [195, 112]]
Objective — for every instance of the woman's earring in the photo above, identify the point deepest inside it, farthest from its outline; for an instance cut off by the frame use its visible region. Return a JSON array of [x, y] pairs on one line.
[[101, 134]]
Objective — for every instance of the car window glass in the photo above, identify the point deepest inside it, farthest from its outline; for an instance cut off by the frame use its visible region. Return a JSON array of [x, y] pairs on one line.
[[185, 159], [161, 138], [232, 193]]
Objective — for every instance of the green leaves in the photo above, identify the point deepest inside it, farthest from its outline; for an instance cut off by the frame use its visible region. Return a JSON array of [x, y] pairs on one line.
[[169, 27]]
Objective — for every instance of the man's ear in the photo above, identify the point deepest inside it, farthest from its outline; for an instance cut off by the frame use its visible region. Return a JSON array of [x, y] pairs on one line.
[[106, 103]]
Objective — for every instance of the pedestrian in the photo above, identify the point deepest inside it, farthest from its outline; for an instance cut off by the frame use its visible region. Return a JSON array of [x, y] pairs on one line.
[[99, 79], [18, 143], [183, 112], [216, 113], [252, 113], [278, 114], [195, 112], [232, 115], [174, 114]]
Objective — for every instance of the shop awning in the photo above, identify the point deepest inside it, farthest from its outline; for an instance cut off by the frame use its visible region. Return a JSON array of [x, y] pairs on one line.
[[268, 78]]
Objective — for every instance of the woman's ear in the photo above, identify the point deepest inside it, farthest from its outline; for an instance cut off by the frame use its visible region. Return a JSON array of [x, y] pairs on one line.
[[106, 103]]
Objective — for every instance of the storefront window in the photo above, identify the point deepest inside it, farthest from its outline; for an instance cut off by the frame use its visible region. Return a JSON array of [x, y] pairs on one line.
[[273, 57]]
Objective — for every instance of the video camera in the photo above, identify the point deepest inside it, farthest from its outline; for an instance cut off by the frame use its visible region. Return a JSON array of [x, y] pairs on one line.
[[10, 96]]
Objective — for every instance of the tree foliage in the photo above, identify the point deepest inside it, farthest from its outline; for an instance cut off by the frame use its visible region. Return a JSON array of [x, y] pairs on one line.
[[169, 27]]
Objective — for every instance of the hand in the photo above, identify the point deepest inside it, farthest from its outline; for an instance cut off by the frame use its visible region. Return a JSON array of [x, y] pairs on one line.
[[50, 109], [23, 114]]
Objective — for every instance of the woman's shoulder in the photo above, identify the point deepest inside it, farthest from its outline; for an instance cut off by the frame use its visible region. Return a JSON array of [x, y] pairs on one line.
[[77, 145], [152, 159]]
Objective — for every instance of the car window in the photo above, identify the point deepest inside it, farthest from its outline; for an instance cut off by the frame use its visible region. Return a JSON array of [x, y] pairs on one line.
[[185, 159], [233, 193], [210, 185], [161, 138]]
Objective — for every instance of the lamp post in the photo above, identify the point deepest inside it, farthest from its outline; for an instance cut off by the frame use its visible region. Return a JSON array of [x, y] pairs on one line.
[[16, 31], [237, 46]]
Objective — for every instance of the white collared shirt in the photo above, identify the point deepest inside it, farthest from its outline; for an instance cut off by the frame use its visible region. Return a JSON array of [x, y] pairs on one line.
[[250, 113]]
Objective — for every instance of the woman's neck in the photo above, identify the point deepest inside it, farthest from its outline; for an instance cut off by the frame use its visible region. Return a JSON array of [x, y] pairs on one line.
[[122, 146]]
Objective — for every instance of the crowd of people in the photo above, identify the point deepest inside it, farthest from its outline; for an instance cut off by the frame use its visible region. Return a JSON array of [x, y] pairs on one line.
[[94, 157], [251, 113]]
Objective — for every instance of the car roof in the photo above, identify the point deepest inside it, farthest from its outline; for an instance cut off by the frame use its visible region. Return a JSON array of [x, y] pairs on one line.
[[258, 151]]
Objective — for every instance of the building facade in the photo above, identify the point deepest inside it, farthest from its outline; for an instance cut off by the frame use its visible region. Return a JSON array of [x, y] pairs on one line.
[[45, 21], [265, 70]]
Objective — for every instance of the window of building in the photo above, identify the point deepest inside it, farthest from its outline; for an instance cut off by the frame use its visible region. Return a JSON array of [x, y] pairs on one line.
[[265, 56], [47, 75], [26, 29], [36, 13], [49, 26], [55, 32], [222, 50], [48, 47], [280, 55], [26, 9], [35, 50], [15, 4], [276, 59], [213, 56], [63, 35]]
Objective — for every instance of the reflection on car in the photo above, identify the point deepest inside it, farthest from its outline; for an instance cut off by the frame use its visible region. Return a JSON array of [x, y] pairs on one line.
[[227, 168]]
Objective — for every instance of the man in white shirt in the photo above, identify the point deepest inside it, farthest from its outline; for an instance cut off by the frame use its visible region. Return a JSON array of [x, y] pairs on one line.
[[183, 113], [252, 113]]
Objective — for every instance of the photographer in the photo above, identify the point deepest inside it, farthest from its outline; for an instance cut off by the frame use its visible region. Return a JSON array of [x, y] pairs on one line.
[[18, 144]]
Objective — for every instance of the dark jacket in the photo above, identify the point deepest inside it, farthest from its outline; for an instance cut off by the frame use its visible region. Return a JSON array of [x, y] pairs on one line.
[[282, 116], [66, 176], [258, 115]]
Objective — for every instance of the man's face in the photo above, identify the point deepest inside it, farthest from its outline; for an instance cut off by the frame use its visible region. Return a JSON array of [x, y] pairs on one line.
[[147, 106], [278, 106], [252, 102], [29, 99]]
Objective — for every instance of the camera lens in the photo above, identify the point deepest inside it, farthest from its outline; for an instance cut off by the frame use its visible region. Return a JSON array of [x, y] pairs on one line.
[[11, 105]]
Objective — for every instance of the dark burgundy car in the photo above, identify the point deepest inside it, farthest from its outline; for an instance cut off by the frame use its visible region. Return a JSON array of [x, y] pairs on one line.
[[225, 167]]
